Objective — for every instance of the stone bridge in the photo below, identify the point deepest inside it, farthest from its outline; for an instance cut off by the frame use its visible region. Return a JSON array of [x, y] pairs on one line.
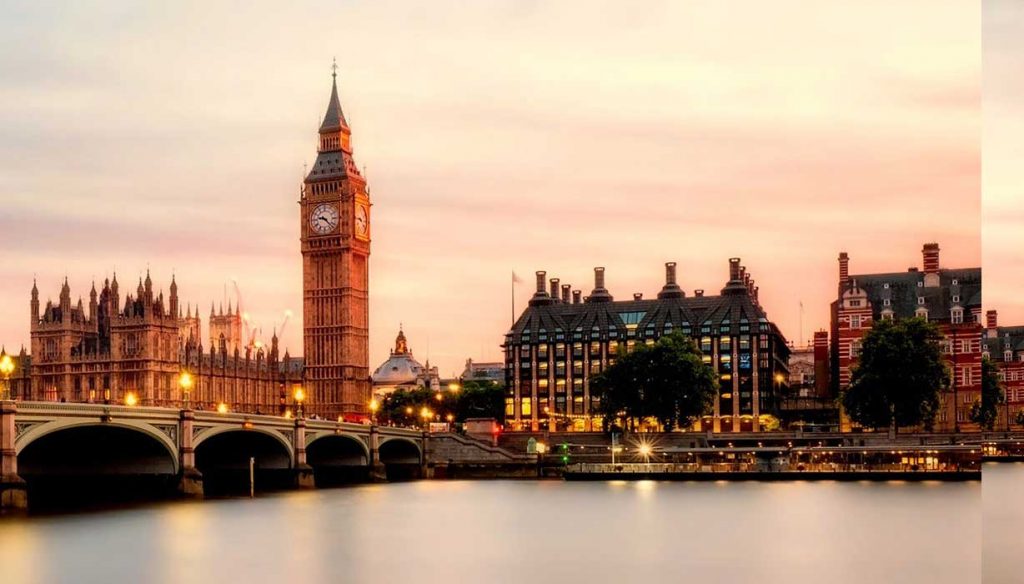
[[68, 441]]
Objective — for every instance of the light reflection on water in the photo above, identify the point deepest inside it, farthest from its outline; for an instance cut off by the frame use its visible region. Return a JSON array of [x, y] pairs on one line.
[[1003, 520], [521, 531]]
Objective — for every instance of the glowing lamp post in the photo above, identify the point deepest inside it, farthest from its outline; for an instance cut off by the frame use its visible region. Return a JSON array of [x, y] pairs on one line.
[[222, 408], [374, 406], [300, 396], [6, 369], [130, 399], [645, 451], [426, 415], [185, 382]]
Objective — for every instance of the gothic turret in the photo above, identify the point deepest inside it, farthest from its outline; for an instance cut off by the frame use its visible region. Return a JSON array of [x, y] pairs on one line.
[[174, 308], [35, 302]]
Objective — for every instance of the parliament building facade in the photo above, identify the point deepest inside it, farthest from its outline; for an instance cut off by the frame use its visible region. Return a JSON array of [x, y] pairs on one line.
[[137, 349]]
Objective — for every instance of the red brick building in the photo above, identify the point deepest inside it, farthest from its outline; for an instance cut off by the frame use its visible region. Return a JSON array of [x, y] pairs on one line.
[[950, 298], [1004, 345]]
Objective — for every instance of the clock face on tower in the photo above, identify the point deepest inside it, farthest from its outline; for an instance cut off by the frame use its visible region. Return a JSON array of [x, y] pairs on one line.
[[362, 224], [324, 218]]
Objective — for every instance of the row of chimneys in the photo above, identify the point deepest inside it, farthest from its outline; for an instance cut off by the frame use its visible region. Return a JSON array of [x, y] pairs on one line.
[[740, 277], [560, 293], [929, 253]]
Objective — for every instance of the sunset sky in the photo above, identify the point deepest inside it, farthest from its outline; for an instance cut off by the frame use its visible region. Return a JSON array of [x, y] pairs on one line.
[[497, 136], [1003, 143]]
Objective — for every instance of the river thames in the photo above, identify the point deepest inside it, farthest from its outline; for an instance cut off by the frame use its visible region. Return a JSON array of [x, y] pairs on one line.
[[520, 531]]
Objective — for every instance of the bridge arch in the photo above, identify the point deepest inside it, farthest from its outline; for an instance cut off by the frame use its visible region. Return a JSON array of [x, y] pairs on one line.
[[84, 430], [207, 433], [337, 449], [223, 455], [399, 450]]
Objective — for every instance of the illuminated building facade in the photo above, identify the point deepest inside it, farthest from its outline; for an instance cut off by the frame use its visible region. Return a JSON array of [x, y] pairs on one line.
[[562, 340], [135, 351]]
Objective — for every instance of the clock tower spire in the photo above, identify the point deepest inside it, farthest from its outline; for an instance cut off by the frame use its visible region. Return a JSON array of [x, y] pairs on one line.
[[335, 240]]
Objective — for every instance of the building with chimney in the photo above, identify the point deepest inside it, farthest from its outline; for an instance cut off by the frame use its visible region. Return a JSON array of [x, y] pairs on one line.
[[1004, 346], [950, 298], [562, 339], [135, 350]]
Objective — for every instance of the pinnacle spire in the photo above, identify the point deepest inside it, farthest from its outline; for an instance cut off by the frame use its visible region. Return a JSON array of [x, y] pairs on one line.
[[334, 119]]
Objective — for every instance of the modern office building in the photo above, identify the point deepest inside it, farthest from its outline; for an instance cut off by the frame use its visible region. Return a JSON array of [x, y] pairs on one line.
[[562, 339]]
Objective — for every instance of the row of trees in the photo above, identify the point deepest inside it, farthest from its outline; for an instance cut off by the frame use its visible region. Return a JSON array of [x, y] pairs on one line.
[[474, 399], [899, 381]]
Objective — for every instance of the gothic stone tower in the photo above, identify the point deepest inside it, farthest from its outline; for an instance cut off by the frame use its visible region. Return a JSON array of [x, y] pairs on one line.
[[335, 228]]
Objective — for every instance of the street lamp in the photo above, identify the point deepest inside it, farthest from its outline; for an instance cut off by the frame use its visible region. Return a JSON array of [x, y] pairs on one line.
[[426, 415], [300, 396], [454, 387], [185, 382], [374, 406], [645, 451], [222, 408], [130, 399], [6, 369]]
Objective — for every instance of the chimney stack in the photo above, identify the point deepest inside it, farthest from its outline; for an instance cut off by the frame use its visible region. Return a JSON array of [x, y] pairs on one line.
[[699, 292], [576, 294], [734, 269], [991, 319], [566, 291], [671, 289], [844, 268], [757, 301], [638, 295], [931, 258], [600, 293], [540, 297], [554, 289]]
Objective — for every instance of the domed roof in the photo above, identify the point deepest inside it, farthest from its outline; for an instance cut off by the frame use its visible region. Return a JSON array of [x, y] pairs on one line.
[[398, 369], [401, 367]]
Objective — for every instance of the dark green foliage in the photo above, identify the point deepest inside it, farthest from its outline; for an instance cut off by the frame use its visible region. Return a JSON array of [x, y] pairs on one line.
[[985, 412], [474, 399], [898, 377], [666, 381]]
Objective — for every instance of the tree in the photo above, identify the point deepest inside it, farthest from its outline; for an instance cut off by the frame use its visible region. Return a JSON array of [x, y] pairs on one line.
[[480, 399], [985, 412], [667, 381], [475, 399], [899, 375]]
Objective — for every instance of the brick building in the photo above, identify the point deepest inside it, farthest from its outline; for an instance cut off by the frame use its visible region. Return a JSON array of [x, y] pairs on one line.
[[562, 339], [951, 298], [1004, 345]]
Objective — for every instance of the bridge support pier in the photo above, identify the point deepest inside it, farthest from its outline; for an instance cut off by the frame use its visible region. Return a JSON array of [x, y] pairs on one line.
[[190, 480], [304, 477], [13, 493], [378, 473]]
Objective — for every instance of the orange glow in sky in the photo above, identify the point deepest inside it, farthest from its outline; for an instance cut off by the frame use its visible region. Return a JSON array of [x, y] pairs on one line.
[[497, 136]]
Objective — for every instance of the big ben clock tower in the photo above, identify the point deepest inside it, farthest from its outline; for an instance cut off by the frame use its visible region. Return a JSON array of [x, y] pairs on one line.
[[335, 228]]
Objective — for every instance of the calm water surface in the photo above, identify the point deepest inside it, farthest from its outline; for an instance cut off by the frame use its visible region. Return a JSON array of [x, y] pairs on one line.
[[1002, 494], [510, 531]]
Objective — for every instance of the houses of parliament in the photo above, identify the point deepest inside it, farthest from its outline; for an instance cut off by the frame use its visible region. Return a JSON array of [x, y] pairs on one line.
[[139, 348]]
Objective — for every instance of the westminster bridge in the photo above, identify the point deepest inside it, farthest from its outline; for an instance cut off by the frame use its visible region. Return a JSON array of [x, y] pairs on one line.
[[59, 443]]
